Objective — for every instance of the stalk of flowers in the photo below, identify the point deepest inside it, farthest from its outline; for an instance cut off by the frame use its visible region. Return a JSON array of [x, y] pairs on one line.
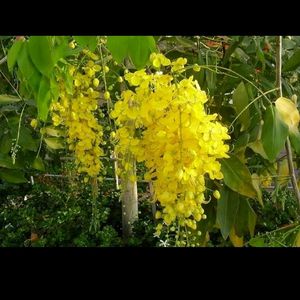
[[173, 135], [76, 110]]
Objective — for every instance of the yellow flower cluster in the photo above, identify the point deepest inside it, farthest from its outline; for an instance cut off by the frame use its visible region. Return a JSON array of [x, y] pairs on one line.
[[76, 111], [266, 181], [164, 124]]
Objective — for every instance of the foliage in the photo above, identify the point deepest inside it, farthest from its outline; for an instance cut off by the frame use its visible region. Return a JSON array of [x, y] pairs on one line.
[[52, 215]]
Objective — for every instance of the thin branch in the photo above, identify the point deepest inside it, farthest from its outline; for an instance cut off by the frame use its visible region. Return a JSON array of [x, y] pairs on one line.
[[3, 60]]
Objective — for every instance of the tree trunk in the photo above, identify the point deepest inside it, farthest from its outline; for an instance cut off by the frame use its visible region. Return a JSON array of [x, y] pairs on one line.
[[129, 200]]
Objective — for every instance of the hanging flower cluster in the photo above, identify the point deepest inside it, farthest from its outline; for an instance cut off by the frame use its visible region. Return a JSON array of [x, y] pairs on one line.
[[163, 123], [76, 110]]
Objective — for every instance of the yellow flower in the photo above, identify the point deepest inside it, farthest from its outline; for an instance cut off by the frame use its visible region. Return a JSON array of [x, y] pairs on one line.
[[76, 113], [196, 68], [34, 123], [72, 45], [158, 59], [107, 95], [216, 194], [179, 143], [178, 65]]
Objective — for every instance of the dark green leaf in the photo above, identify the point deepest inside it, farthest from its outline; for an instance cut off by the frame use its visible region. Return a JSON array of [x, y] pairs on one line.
[[240, 101], [292, 63], [6, 162], [237, 177], [274, 133], [5, 143], [226, 211], [12, 176], [245, 218], [295, 140]]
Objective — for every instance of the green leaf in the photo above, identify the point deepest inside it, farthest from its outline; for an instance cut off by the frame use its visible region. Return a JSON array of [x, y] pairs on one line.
[[12, 176], [26, 140], [5, 143], [251, 219], [5, 37], [237, 177], [40, 52], [295, 139], [274, 133], [245, 218], [6, 161], [255, 183], [54, 143], [118, 46], [226, 210], [210, 75], [43, 98], [89, 41], [283, 173], [13, 53], [31, 74], [292, 63], [61, 48], [257, 242], [8, 99], [240, 101], [138, 48], [38, 164], [53, 131], [68, 80]]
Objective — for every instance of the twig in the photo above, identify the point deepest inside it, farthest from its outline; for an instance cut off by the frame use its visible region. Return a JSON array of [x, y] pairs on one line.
[[3, 60]]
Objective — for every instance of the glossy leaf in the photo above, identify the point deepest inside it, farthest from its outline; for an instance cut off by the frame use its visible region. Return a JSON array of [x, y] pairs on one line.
[[31, 74], [138, 48], [237, 177], [43, 98], [89, 41], [274, 133], [13, 53], [226, 211], [240, 101], [40, 52]]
